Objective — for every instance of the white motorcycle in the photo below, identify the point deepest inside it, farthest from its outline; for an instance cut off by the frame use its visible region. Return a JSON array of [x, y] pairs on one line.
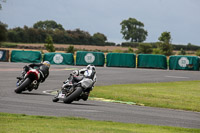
[[75, 88]]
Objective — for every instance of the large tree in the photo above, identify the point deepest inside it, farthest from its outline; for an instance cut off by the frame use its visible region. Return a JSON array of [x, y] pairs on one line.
[[48, 25], [133, 30]]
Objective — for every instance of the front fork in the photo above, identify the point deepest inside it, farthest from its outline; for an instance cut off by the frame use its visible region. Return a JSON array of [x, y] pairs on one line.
[[21, 79]]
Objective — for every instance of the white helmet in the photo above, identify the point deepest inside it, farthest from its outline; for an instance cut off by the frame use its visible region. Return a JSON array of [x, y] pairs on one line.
[[90, 67], [75, 72]]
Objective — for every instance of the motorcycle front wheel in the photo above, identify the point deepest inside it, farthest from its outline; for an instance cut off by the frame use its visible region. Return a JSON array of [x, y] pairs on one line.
[[22, 87], [69, 99]]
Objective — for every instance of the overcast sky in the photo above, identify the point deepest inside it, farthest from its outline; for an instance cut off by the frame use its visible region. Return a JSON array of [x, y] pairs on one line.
[[180, 17]]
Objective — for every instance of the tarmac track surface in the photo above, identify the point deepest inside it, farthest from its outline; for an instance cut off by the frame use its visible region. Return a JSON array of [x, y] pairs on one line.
[[38, 103]]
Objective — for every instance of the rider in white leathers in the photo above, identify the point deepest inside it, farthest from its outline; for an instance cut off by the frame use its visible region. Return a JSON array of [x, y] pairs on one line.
[[87, 76], [88, 72]]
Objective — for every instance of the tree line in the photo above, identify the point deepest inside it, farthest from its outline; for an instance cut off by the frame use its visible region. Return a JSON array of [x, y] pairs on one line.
[[42, 29], [188, 47], [132, 30]]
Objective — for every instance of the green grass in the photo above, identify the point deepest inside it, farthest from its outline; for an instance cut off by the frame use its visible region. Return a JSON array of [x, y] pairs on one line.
[[16, 123], [183, 95], [178, 95], [8, 45]]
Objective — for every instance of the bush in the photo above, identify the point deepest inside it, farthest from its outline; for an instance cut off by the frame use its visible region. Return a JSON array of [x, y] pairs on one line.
[[145, 48], [130, 44], [110, 44], [198, 52], [189, 46], [182, 52], [130, 50], [117, 51], [165, 48], [8, 45], [156, 51], [49, 44], [70, 49]]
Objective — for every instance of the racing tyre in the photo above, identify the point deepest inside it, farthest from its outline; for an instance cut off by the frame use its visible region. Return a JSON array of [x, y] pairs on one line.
[[73, 96], [22, 87]]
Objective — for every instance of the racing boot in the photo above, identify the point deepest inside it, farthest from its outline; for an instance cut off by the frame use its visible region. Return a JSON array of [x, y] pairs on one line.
[[20, 78], [56, 99], [85, 96]]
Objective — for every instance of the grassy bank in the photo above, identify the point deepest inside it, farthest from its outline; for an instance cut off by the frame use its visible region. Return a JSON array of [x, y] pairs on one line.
[[13, 123], [183, 95]]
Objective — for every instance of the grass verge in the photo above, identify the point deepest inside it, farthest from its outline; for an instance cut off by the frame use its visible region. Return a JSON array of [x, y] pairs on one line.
[[184, 95], [20, 123], [8, 45]]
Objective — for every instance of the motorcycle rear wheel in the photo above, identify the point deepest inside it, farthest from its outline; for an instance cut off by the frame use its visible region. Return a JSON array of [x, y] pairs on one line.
[[69, 99], [22, 87]]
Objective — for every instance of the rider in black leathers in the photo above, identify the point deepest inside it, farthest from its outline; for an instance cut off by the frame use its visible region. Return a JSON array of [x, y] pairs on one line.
[[43, 69]]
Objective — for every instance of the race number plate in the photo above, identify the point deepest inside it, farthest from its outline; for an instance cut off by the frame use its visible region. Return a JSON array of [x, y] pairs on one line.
[[61, 95]]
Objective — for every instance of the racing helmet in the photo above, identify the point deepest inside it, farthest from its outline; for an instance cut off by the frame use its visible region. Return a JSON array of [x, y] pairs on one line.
[[47, 63], [90, 67], [75, 72]]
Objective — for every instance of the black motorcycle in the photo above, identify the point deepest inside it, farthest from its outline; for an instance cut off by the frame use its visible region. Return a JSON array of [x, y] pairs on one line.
[[28, 81], [74, 89]]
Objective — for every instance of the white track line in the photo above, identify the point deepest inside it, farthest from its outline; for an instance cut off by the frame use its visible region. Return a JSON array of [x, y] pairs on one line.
[[177, 77], [49, 92]]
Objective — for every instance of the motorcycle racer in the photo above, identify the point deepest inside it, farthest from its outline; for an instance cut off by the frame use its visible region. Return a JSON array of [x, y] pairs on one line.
[[43, 69], [88, 72], [77, 86]]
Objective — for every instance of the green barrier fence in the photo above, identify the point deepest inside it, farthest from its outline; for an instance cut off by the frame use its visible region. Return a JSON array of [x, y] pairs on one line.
[[26, 56], [152, 61], [85, 58], [184, 63], [4, 55], [121, 60], [59, 58]]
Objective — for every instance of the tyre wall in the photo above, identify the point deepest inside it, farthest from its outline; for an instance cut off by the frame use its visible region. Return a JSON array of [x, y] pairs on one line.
[[85, 58], [26, 56], [59, 58], [184, 63], [121, 60], [152, 61]]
